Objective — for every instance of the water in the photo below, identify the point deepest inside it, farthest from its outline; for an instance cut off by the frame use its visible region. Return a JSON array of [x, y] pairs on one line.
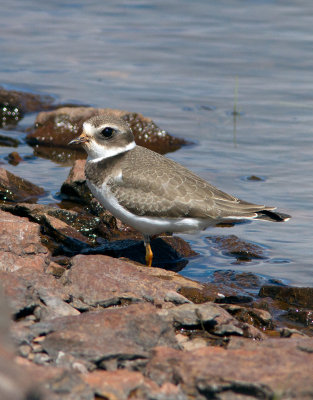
[[179, 63]]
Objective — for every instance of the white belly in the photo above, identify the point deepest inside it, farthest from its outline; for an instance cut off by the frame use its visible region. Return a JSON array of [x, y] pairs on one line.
[[147, 225]]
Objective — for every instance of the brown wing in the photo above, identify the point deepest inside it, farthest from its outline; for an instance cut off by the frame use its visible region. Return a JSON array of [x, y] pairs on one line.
[[167, 189]]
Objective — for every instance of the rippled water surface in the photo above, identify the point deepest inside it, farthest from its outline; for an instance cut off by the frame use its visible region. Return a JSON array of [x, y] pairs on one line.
[[180, 63]]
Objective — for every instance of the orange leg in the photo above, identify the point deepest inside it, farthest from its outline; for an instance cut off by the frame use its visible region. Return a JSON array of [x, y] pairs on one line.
[[149, 255]]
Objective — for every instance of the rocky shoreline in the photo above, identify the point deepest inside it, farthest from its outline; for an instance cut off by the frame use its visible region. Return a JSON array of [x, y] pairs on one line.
[[83, 318]]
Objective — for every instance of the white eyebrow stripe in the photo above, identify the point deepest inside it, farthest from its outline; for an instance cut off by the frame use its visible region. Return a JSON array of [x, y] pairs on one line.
[[91, 129], [113, 151]]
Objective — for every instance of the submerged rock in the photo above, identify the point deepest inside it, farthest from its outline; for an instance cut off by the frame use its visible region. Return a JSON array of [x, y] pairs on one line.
[[232, 246], [14, 158], [7, 141], [59, 127], [296, 296]]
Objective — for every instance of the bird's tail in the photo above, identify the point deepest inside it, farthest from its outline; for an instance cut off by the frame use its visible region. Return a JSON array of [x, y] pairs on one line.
[[274, 216]]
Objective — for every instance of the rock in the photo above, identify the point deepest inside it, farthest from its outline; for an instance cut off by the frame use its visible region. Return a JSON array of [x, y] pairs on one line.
[[69, 231], [300, 316], [20, 244], [239, 280], [232, 246], [119, 384], [199, 295], [55, 269], [268, 369], [254, 178], [56, 383], [53, 307], [148, 134], [75, 186], [259, 318], [176, 298], [109, 338], [124, 385], [193, 315], [287, 333], [39, 295], [59, 127], [14, 158], [7, 141], [15, 384], [14, 104], [194, 344], [225, 287], [296, 296], [101, 280], [14, 188], [208, 317]]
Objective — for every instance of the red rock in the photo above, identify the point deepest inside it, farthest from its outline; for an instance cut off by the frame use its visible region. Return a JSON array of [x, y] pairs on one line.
[[53, 383], [119, 384], [98, 279], [14, 188], [26, 291], [276, 367], [124, 385], [20, 244], [15, 384], [111, 338]]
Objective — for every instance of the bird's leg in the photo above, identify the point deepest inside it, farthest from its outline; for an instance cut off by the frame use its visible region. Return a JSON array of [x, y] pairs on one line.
[[149, 254]]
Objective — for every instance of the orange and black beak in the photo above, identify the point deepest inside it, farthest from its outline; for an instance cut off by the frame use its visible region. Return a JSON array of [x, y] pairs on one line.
[[83, 138]]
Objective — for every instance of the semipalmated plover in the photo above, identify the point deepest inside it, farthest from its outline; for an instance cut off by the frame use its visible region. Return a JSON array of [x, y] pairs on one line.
[[150, 192]]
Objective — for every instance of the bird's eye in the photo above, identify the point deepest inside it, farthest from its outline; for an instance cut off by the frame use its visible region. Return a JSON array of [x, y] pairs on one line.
[[107, 132]]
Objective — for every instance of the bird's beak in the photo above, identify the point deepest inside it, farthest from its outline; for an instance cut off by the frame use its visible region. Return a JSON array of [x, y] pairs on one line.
[[83, 138]]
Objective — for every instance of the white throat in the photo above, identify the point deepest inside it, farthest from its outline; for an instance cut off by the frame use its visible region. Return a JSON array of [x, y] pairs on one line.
[[97, 152]]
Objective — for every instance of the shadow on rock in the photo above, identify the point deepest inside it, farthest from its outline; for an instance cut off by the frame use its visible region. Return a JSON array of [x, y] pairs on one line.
[[170, 252]]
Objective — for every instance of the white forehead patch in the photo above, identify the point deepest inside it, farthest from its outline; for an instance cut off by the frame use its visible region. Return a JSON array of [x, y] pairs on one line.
[[88, 128]]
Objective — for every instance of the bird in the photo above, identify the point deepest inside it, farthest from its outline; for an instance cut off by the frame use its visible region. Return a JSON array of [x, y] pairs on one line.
[[151, 192]]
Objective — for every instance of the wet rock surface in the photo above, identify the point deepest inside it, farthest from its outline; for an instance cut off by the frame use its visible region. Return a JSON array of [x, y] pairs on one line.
[[13, 188], [57, 128], [241, 250], [75, 187], [15, 104], [7, 141], [14, 158], [299, 297]]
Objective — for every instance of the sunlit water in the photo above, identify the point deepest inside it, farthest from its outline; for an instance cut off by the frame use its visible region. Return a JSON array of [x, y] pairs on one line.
[[179, 63]]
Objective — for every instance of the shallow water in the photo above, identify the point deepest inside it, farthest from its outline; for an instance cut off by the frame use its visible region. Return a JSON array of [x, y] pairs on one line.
[[179, 63]]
